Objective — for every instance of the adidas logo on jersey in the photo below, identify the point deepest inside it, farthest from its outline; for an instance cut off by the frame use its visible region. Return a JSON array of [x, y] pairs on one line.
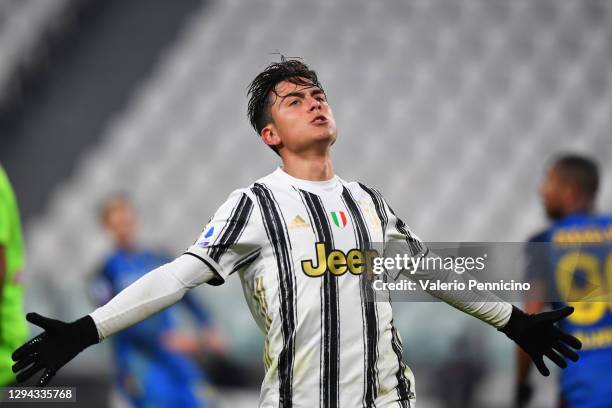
[[298, 222]]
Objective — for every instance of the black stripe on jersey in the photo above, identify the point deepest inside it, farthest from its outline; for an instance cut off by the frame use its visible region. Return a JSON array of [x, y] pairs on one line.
[[233, 228], [403, 384], [416, 246], [241, 263], [224, 225], [279, 240], [330, 321], [370, 317]]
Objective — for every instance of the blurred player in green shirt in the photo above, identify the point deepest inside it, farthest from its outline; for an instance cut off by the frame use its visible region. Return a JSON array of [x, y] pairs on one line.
[[13, 330]]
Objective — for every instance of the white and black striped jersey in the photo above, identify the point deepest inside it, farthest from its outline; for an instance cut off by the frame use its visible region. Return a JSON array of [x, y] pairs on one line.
[[295, 245]]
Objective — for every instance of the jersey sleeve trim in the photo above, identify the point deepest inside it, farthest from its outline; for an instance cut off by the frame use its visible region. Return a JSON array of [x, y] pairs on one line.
[[200, 253]]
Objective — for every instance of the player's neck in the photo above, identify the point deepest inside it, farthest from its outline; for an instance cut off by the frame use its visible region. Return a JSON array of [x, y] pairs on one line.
[[127, 246], [583, 207], [313, 168]]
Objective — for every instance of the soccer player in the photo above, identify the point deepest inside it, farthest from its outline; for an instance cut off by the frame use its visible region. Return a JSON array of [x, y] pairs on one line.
[[573, 258], [152, 364], [297, 238], [13, 329]]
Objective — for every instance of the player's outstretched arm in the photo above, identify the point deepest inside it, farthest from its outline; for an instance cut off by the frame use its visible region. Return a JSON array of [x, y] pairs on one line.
[[61, 341], [52, 349], [539, 335]]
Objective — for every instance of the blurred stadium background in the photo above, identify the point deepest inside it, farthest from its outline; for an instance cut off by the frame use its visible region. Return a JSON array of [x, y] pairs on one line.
[[451, 108]]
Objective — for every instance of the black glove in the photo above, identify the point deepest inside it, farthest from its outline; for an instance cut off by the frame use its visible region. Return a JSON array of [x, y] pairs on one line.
[[50, 350], [523, 394], [539, 336]]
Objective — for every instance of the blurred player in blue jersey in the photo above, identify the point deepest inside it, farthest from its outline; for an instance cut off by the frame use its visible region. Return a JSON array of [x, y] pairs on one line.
[[572, 260], [153, 368]]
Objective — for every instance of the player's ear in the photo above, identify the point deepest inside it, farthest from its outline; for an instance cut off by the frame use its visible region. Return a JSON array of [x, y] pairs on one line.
[[270, 136]]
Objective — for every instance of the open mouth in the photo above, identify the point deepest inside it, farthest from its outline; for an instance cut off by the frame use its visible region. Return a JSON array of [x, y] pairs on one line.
[[319, 120]]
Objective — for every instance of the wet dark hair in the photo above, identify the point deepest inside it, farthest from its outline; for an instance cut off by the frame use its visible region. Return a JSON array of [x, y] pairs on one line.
[[261, 91], [579, 170]]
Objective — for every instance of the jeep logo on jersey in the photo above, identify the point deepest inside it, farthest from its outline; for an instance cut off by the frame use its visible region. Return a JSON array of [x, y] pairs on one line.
[[337, 262], [205, 239], [339, 218]]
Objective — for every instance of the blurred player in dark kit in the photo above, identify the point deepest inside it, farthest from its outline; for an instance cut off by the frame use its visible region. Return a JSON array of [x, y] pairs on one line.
[[296, 238], [572, 260], [152, 364], [13, 329]]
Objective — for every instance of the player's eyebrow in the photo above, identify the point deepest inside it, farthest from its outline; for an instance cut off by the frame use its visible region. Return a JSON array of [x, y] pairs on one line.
[[300, 94], [317, 91]]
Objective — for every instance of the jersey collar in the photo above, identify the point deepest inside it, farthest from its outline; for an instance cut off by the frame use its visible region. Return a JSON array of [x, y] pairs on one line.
[[312, 186]]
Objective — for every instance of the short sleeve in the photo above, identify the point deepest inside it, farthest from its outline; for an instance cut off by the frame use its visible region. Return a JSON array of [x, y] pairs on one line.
[[231, 239]]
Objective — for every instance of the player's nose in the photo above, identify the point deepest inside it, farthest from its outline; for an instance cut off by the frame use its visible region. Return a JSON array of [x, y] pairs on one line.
[[314, 103]]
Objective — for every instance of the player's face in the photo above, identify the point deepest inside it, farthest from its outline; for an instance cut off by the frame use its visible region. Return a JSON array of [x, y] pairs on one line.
[[301, 119], [121, 224], [553, 192]]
